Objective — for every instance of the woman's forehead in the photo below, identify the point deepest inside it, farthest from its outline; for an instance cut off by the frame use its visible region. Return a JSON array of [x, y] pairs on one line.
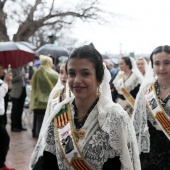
[[80, 65], [161, 56]]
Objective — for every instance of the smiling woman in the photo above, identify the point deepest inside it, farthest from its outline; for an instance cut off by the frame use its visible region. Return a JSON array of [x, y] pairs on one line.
[[85, 130], [152, 113]]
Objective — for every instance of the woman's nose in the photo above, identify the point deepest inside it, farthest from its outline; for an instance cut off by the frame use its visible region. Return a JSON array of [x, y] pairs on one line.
[[77, 79], [161, 67]]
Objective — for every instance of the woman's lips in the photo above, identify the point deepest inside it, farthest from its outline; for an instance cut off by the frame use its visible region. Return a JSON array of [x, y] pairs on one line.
[[78, 88]]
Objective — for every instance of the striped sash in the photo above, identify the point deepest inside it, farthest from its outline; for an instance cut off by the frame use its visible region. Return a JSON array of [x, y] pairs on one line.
[[126, 94], [157, 111], [67, 140]]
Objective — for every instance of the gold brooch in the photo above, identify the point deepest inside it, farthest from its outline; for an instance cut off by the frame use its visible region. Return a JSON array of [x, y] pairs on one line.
[[79, 134]]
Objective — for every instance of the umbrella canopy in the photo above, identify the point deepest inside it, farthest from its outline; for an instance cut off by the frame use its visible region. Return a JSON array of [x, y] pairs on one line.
[[52, 49], [15, 54], [28, 44]]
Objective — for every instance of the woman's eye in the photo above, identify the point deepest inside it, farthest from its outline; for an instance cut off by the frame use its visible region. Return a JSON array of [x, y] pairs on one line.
[[71, 74], [85, 73], [167, 63], [156, 64]]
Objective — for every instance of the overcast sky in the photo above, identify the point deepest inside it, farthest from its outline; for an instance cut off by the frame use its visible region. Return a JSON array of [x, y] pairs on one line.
[[145, 25], [142, 26]]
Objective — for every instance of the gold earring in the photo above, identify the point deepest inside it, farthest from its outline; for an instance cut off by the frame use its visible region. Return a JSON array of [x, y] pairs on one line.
[[98, 91]]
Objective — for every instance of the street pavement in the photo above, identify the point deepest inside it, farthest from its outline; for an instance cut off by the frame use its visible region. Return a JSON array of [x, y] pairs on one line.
[[21, 144]]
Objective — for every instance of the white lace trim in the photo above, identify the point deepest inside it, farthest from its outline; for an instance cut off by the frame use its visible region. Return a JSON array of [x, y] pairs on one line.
[[130, 84], [117, 124]]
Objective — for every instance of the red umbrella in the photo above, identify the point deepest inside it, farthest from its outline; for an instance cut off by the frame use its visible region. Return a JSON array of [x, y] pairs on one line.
[[15, 54]]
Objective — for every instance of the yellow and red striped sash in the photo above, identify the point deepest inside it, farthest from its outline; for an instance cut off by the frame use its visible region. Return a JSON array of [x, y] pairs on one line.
[[62, 120], [65, 130], [157, 111], [79, 164], [126, 94]]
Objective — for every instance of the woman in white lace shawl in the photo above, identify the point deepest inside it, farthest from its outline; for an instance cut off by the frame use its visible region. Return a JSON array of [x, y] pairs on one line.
[[127, 84], [87, 130], [152, 113], [142, 65]]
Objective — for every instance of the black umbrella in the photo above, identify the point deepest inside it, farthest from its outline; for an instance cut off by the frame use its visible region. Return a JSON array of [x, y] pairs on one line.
[[53, 50]]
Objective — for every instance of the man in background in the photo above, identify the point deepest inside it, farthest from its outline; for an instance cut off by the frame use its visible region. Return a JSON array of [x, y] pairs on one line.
[[43, 81], [18, 95]]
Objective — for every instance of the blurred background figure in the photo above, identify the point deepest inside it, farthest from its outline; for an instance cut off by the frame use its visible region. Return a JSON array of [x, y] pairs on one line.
[[127, 84], [7, 97], [43, 81], [58, 94], [30, 71], [142, 65], [113, 71], [4, 137], [61, 84], [18, 95]]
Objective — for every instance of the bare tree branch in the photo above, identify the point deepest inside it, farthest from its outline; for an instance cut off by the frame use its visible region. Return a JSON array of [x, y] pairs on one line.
[[38, 16]]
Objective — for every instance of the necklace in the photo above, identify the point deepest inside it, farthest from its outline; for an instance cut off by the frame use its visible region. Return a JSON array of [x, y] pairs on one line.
[[164, 87], [162, 101], [79, 120]]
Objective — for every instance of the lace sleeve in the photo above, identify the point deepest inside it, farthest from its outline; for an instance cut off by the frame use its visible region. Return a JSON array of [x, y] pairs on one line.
[[50, 140], [140, 123], [122, 137]]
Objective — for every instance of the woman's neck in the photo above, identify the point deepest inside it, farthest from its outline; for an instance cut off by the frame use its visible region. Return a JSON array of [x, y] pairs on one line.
[[165, 82], [84, 105], [126, 75], [127, 72]]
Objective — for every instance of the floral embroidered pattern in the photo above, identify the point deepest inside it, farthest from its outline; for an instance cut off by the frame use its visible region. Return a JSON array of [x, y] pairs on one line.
[[50, 139]]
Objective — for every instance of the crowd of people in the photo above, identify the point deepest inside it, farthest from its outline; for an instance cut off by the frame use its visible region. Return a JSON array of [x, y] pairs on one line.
[[90, 115]]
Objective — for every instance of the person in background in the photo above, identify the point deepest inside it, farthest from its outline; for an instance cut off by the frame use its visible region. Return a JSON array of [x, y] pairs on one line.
[[30, 71], [18, 95], [113, 72], [112, 69], [4, 137], [43, 81], [142, 65], [127, 84], [86, 130], [56, 65], [152, 113], [6, 98], [61, 84]]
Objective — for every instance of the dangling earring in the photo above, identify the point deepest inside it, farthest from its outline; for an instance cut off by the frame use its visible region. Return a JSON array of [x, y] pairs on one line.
[[98, 91]]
